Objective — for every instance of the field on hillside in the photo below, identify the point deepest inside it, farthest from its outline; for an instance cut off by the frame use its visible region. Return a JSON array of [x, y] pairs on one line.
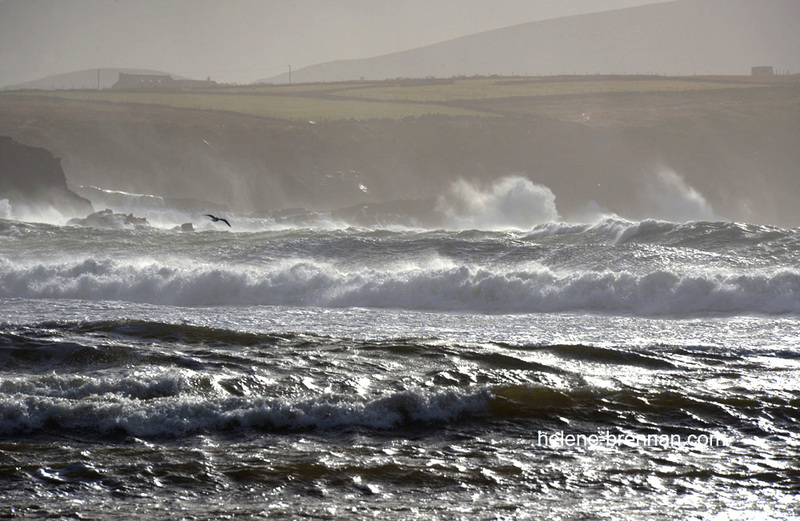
[[494, 88], [289, 107], [558, 97]]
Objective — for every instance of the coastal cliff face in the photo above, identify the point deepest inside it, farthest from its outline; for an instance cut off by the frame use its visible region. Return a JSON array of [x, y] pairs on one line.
[[32, 181]]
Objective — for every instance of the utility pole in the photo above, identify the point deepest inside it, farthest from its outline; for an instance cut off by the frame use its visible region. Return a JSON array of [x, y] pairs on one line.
[[98, 79], [290, 73]]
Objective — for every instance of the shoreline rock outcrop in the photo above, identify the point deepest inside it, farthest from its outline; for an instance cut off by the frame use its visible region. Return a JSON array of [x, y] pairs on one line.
[[108, 219], [32, 179]]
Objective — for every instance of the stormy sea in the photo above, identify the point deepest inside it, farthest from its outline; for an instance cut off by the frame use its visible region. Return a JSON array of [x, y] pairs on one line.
[[614, 369]]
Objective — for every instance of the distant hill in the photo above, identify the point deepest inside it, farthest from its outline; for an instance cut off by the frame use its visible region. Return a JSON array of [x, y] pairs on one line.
[[87, 79], [681, 37]]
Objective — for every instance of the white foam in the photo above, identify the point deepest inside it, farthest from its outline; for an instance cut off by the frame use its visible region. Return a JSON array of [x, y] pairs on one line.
[[429, 285], [140, 408], [614, 229]]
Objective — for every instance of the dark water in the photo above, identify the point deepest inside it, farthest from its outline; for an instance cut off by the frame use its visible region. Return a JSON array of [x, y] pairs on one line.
[[136, 416], [614, 371]]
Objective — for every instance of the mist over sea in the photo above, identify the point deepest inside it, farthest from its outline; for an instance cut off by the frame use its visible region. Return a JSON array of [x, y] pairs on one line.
[[505, 364]]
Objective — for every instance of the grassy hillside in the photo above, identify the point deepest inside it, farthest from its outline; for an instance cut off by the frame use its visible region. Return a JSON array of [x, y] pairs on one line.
[[496, 88], [308, 106], [410, 98]]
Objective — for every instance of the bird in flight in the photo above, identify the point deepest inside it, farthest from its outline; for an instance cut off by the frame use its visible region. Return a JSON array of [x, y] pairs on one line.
[[215, 219]]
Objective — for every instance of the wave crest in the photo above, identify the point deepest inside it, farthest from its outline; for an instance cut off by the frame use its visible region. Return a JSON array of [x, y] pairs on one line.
[[189, 413], [444, 286]]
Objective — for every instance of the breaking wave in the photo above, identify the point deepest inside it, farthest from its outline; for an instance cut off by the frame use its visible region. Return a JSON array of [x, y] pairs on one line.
[[437, 286], [179, 403], [646, 268]]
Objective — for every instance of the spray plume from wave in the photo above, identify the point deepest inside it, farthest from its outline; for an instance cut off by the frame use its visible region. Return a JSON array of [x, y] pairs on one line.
[[669, 197], [32, 212], [516, 203], [6, 210], [512, 202]]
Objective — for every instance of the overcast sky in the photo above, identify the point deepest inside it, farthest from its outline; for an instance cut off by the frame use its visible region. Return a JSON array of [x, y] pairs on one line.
[[243, 40]]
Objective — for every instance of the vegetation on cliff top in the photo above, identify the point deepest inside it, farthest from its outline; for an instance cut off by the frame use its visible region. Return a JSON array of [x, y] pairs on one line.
[[398, 99]]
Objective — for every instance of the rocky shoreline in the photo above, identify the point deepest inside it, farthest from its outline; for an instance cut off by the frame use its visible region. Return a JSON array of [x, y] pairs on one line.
[[32, 180]]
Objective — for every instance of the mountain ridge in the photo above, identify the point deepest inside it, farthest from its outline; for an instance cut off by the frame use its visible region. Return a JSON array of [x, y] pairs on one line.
[[674, 38], [83, 79]]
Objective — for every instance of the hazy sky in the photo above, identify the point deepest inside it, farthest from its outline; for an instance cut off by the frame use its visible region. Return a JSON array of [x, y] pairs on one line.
[[243, 40]]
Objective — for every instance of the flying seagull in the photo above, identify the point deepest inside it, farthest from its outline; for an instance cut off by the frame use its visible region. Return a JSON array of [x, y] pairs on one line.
[[215, 219]]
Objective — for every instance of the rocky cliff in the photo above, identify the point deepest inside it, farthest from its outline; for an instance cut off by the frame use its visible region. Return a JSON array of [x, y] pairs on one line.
[[32, 181]]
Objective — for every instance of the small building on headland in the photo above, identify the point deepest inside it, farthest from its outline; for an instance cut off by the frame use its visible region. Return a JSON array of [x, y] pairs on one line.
[[195, 84], [763, 70], [158, 82], [144, 82]]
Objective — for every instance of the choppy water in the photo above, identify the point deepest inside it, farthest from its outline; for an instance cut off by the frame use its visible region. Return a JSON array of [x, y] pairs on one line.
[[621, 370]]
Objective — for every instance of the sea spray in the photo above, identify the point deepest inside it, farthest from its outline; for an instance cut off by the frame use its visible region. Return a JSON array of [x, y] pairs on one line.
[[668, 196], [512, 202]]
